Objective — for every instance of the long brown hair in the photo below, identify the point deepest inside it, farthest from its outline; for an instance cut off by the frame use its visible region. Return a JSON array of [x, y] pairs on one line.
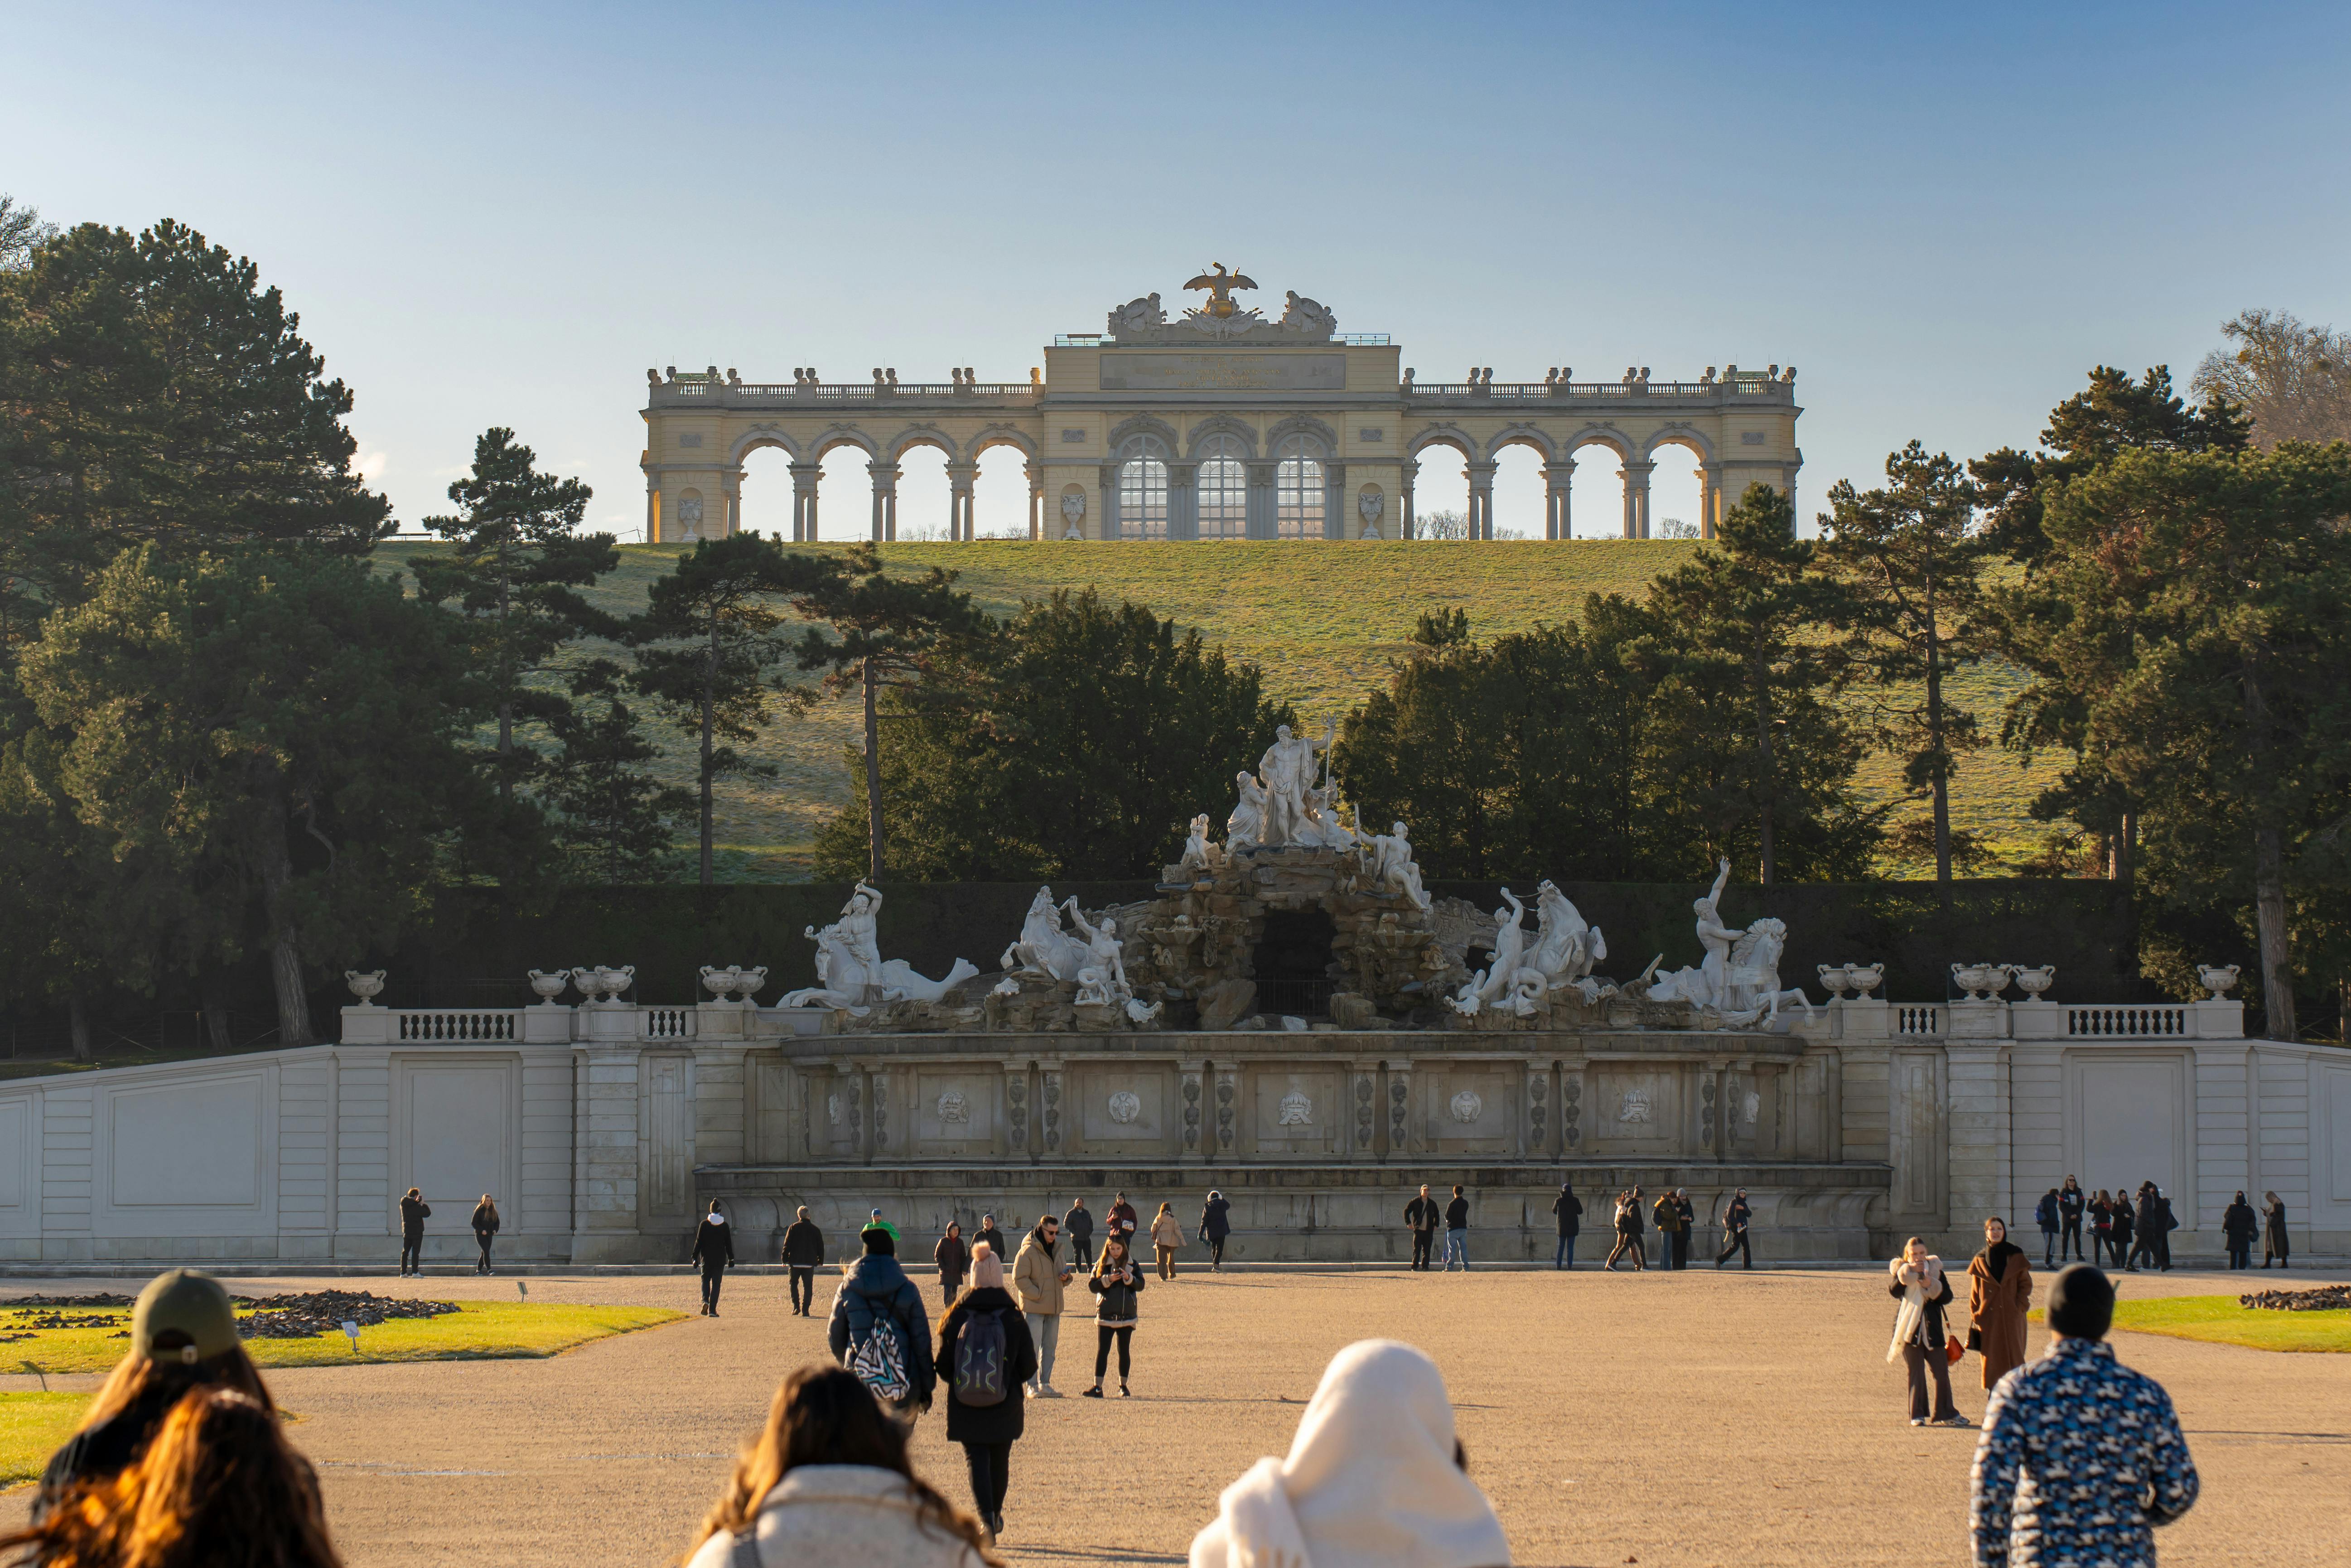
[[219, 1484], [822, 1415], [1125, 1254], [138, 1377]]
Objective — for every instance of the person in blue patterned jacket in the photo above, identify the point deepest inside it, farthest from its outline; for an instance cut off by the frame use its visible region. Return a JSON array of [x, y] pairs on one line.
[[2081, 1457]]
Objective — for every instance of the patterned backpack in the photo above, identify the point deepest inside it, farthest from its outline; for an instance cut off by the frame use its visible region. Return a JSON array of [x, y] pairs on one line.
[[879, 1359]]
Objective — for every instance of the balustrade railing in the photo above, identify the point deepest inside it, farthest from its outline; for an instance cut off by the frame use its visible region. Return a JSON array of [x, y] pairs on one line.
[[455, 1023], [1571, 391], [665, 1023], [2157, 1022], [831, 393], [1920, 1022]]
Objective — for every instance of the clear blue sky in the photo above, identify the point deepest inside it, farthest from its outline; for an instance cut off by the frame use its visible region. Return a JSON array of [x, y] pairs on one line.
[[504, 214]]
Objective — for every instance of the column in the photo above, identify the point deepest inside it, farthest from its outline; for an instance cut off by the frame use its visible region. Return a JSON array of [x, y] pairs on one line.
[[1193, 1089], [1227, 1094], [1709, 1110], [1106, 502], [1709, 501], [1036, 473], [1481, 500], [1538, 1111], [1016, 1110], [1981, 1129], [1399, 1112], [604, 1157], [730, 503], [1637, 498], [1334, 495], [1183, 501], [804, 479], [1363, 1088], [653, 512], [1570, 1109], [1049, 1075], [885, 499], [960, 476], [1411, 467], [1263, 513], [1559, 479]]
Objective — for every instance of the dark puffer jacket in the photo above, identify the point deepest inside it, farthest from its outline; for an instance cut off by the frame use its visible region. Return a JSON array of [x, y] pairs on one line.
[[988, 1423], [875, 1286]]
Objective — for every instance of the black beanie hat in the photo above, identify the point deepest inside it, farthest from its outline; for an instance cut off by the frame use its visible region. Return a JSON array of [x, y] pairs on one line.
[[2081, 1303], [879, 1242]]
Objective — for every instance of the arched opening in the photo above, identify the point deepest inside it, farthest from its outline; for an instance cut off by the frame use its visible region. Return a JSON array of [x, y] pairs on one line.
[[766, 486], [924, 494], [1297, 488], [1677, 497], [1292, 962], [1142, 488], [844, 493], [1222, 482], [999, 495], [1519, 492], [1596, 503], [1440, 493]]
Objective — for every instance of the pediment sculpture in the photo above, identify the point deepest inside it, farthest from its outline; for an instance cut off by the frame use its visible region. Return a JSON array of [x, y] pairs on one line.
[[1307, 317], [1137, 316]]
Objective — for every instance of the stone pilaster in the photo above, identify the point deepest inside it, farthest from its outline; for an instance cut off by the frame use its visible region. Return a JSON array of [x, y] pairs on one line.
[[1192, 1090], [1570, 1109], [1538, 1142], [1978, 1133], [884, 1134], [720, 1102], [1363, 1091], [605, 1153], [1050, 1079], [1016, 1110], [1228, 1108], [1710, 1110], [1399, 1112]]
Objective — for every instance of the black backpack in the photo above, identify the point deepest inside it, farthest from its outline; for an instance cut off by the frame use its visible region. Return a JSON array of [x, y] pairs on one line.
[[979, 1360]]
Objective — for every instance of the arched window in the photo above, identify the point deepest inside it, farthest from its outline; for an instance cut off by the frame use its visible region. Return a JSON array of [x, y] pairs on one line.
[[1222, 489], [1142, 488], [1298, 488]]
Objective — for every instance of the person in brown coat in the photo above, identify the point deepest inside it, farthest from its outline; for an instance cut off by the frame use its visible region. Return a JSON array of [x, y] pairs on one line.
[[2000, 1287]]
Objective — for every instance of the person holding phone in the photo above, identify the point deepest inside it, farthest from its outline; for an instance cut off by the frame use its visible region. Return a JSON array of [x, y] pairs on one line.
[[1119, 1283]]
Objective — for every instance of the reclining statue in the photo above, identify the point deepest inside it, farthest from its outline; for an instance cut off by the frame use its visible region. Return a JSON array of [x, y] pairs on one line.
[[851, 972]]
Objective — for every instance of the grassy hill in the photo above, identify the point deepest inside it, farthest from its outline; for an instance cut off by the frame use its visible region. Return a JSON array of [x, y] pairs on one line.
[[1323, 620]]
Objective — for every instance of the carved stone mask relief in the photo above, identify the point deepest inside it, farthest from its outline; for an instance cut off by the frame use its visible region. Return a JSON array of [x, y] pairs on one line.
[[1125, 1106]]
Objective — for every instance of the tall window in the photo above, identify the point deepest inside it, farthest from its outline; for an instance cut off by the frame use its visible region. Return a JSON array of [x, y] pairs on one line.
[[1298, 488], [1222, 489], [1142, 488]]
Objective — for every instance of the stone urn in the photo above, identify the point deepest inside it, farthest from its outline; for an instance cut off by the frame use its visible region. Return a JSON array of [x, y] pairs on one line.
[[1981, 981], [2218, 977], [1835, 978], [366, 984], [720, 982], [1865, 977], [548, 986], [2034, 980], [600, 986]]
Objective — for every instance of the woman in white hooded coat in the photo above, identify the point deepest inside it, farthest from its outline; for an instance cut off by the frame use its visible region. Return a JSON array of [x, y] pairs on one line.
[[1375, 1480]]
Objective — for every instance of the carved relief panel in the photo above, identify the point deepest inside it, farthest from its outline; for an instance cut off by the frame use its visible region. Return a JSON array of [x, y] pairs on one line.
[[1633, 1110], [1472, 1109], [1297, 1111], [954, 1111], [1120, 1108]]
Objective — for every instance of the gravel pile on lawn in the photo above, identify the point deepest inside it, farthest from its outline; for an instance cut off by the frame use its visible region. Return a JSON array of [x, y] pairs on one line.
[[97, 1300], [2327, 1298], [313, 1312]]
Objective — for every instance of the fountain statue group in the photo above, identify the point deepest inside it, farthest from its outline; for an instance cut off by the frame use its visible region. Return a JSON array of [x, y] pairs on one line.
[[1521, 977], [1740, 976], [849, 969]]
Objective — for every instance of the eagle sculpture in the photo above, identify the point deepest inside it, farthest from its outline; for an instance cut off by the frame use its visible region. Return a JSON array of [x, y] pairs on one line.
[[1220, 285]]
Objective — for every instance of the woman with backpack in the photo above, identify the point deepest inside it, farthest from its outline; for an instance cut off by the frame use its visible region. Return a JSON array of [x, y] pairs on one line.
[[879, 1332], [985, 1356], [1118, 1282]]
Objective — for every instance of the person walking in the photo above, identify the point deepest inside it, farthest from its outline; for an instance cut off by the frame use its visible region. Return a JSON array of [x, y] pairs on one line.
[[1568, 1209], [2121, 1228], [2070, 1204], [1629, 1233], [1122, 1221], [2166, 1222], [954, 1260], [1118, 1284], [2044, 1215], [985, 1357], [2081, 1457], [1166, 1236], [988, 1236], [879, 1332], [1735, 1219], [2102, 1228], [1666, 1216], [413, 1212], [2238, 1226], [1457, 1231], [803, 1256], [1216, 1224], [1687, 1212], [1921, 1290], [1422, 1216], [828, 1480], [2273, 1241], [1039, 1279], [714, 1248], [1999, 1289], [486, 1231], [1079, 1225], [2146, 1226]]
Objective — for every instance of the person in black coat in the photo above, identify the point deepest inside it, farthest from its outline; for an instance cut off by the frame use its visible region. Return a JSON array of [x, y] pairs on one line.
[[989, 1233], [2273, 1230], [1216, 1224], [989, 1430], [1569, 1210], [714, 1248], [953, 1259], [803, 1255], [2121, 1228], [1422, 1216], [1735, 1219], [2237, 1224], [2070, 1202], [1078, 1225], [413, 1212], [486, 1231], [2166, 1222]]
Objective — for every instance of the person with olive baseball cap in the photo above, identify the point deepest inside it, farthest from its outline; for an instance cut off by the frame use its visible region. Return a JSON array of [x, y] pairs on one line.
[[182, 1336]]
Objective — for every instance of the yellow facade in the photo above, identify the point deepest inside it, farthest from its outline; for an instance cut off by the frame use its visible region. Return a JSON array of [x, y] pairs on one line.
[[1208, 427]]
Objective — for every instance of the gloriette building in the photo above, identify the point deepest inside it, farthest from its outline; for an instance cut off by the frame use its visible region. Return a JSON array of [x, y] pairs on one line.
[[1220, 423]]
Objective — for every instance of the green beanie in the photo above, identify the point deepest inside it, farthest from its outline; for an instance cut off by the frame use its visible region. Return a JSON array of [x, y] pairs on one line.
[[192, 1303]]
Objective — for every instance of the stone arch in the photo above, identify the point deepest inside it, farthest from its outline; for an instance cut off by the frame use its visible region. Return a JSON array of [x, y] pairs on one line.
[[1144, 425], [1222, 425], [1451, 435], [1680, 435], [1542, 440], [1304, 425], [1615, 440], [1003, 435], [921, 435], [763, 435], [845, 435]]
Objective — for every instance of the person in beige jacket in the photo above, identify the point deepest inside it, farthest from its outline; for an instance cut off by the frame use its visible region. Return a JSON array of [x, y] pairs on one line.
[[1166, 1236], [1039, 1279]]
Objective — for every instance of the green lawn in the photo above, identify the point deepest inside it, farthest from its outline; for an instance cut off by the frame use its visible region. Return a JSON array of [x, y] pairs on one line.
[[2221, 1321], [1323, 620], [32, 1425], [476, 1330]]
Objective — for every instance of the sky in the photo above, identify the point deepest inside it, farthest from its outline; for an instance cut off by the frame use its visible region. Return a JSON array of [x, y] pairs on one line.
[[1943, 216]]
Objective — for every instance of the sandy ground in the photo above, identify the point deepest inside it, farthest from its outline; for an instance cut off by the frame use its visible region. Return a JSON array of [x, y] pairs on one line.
[[1660, 1419]]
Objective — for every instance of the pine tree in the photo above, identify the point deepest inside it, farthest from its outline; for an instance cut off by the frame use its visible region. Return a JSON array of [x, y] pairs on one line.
[[614, 819]]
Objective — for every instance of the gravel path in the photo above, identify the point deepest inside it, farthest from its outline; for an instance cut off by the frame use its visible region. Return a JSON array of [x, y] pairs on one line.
[[1736, 1418]]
